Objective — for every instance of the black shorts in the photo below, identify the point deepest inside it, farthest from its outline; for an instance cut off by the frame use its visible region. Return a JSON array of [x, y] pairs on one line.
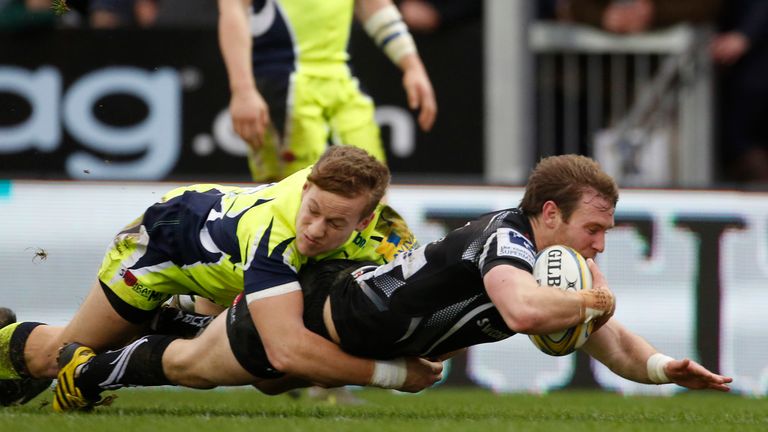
[[316, 282], [246, 343]]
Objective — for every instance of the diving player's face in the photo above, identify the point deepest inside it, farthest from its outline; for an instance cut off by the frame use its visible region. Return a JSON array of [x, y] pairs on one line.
[[586, 228], [326, 220]]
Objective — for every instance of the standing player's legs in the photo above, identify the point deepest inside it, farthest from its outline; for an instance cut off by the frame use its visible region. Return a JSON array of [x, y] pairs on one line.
[[307, 130], [265, 164], [353, 121], [308, 112]]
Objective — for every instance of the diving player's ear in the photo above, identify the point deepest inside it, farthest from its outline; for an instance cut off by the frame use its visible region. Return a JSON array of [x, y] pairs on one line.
[[550, 213], [364, 222]]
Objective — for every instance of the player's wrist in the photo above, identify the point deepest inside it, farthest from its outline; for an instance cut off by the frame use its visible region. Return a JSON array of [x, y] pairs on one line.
[[389, 374], [596, 303], [656, 366], [243, 86], [411, 63]]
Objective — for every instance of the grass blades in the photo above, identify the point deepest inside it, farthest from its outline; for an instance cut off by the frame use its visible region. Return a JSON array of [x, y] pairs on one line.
[[443, 410]]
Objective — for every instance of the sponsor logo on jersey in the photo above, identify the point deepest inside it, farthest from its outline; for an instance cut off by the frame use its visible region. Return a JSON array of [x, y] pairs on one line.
[[490, 331], [395, 244], [194, 320], [145, 292], [132, 281], [359, 241], [129, 278], [510, 243]]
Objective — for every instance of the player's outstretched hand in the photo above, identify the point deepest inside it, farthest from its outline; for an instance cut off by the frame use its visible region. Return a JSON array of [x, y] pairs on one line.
[[687, 373], [250, 116], [422, 373], [419, 90]]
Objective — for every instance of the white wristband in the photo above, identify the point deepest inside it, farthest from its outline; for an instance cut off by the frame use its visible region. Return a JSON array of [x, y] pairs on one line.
[[389, 374], [390, 33], [656, 364]]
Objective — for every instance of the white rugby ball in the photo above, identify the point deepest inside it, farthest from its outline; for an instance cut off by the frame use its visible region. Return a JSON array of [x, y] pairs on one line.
[[564, 268]]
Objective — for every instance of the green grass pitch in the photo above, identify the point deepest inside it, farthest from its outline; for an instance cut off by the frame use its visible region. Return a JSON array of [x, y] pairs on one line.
[[443, 410]]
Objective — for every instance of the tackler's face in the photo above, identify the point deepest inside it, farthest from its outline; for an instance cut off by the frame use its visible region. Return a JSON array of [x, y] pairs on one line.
[[586, 228], [326, 220]]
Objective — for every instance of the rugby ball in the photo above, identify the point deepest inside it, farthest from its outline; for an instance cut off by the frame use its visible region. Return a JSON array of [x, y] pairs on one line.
[[564, 268]]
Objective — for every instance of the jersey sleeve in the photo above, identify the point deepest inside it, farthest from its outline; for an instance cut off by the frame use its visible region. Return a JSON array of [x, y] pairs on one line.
[[272, 261], [268, 275], [507, 245]]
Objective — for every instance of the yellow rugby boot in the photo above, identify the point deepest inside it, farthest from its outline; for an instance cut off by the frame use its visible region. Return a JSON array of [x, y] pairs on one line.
[[67, 395]]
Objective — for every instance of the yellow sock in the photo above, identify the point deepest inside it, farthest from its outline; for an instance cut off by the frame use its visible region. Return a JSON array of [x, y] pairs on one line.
[[7, 371]]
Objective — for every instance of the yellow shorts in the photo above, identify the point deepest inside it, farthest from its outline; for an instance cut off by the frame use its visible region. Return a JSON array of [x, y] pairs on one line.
[[140, 265], [309, 112]]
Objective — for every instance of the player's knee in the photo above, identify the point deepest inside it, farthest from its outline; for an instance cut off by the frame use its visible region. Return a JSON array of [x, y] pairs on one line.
[[186, 367]]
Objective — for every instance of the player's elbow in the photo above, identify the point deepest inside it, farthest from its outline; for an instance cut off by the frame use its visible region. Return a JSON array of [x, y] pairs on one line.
[[280, 359], [285, 357]]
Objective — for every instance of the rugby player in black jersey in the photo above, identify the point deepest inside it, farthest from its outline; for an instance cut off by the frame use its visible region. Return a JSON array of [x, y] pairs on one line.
[[428, 301]]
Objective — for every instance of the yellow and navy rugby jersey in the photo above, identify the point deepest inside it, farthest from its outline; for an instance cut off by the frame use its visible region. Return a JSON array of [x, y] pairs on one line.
[[308, 35], [233, 238]]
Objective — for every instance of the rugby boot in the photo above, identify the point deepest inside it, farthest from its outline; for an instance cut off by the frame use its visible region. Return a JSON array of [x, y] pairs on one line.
[[67, 395]]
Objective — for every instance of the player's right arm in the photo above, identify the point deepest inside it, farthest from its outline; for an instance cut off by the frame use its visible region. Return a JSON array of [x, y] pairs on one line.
[[249, 111], [293, 349], [528, 308], [506, 262]]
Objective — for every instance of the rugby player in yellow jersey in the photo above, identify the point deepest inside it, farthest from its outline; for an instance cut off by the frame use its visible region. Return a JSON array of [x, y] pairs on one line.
[[291, 88], [218, 242]]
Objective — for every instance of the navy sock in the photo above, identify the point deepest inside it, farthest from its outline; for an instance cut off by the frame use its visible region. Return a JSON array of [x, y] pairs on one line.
[[138, 364]]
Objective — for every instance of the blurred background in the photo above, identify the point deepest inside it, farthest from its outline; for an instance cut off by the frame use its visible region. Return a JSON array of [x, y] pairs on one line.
[[105, 105], [664, 94]]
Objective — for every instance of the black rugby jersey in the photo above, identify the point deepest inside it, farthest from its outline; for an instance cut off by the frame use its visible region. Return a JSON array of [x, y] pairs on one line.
[[431, 300]]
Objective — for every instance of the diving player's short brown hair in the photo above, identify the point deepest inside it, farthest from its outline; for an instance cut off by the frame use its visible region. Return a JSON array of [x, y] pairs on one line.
[[350, 172], [564, 179]]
